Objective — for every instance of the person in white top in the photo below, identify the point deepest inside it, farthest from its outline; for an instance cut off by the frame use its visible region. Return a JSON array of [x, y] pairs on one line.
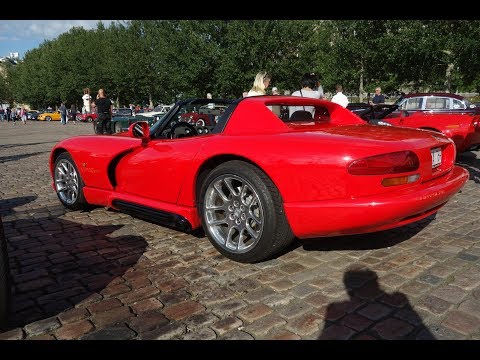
[[339, 98], [309, 82], [260, 84]]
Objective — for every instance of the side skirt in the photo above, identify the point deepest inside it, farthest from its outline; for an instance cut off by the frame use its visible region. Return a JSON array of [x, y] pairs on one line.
[[157, 216]]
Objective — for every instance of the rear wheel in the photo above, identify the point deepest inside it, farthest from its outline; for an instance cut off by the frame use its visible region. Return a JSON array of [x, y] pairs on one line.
[[242, 213], [89, 119], [68, 183]]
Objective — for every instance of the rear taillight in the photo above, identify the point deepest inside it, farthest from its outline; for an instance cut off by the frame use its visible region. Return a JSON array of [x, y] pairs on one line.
[[391, 163]]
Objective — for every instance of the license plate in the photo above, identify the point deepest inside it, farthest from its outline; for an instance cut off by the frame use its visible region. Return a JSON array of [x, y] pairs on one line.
[[436, 157]]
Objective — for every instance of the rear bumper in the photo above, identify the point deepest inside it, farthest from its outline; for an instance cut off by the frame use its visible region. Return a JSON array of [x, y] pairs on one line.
[[375, 213]]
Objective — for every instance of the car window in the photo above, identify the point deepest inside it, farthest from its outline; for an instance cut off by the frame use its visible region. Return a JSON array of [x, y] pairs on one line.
[[412, 104], [437, 103], [457, 104]]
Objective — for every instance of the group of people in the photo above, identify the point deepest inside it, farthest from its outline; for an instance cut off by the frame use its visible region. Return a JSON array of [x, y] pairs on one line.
[[310, 87], [14, 115], [102, 105]]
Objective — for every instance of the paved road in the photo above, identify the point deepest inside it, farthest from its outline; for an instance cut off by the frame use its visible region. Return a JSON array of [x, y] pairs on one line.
[[106, 275]]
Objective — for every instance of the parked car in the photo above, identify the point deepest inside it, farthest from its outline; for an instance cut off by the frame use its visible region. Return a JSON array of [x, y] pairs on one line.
[[87, 117], [122, 123], [256, 180], [463, 127], [32, 114], [49, 116], [5, 291], [157, 110], [204, 115], [435, 102]]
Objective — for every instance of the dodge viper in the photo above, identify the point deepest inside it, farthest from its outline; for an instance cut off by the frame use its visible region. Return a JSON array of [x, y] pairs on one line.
[[257, 178]]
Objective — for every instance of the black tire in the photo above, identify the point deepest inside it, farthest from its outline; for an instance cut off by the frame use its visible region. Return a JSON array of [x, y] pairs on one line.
[[48, 118], [5, 284], [68, 183], [89, 119], [228, 219]]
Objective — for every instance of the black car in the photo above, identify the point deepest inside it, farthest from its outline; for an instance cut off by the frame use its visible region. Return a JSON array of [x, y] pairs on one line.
[[32, 114]]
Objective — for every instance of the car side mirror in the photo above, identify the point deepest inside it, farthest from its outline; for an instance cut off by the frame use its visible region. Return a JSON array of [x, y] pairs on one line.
[[404, 113], [140, 129]]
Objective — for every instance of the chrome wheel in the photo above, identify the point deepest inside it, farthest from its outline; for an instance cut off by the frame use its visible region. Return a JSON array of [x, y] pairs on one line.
[[234, 213], [66, 182]]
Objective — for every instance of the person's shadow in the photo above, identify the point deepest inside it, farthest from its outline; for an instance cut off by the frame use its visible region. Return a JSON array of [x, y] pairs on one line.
[[371, 313]]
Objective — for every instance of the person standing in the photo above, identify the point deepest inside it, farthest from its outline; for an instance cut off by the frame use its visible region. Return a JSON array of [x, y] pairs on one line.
[[378, 98], [260, 84], [73, 113], [103, 105], [8, 113], [309, 83], [339, 97], [23, 115], [63, 113]]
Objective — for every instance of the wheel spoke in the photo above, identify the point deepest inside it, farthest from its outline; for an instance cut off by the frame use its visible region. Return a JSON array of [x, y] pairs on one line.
[[230, 187], [220, 192], [217, 222], [252, 232], [230, 243]]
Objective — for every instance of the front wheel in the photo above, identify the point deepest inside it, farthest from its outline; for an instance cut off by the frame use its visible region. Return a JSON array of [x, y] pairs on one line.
[[242, 213], [69, 183], [48, 118]]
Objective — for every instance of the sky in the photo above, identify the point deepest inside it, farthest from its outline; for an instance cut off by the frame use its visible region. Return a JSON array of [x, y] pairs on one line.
[[23, 35]]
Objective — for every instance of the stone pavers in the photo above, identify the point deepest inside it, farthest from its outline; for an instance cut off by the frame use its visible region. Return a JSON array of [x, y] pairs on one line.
[[101, 274]]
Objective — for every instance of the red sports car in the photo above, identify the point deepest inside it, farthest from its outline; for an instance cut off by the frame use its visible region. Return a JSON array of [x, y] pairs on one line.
[[256, 179], [462, 127], [87, 117]]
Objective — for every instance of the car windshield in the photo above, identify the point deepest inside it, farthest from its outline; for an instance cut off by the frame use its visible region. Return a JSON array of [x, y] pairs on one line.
[[197, 112]]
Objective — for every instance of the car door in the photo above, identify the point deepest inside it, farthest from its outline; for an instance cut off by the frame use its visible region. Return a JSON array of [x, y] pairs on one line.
[[157, 171]]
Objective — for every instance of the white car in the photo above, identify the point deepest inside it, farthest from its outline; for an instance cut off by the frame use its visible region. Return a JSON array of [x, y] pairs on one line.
[[157, 110]]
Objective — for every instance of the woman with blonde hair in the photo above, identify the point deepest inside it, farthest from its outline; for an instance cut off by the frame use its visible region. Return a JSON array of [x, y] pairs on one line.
[[262, 81]]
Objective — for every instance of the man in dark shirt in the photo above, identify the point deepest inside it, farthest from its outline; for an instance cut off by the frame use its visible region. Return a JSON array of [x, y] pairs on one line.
[[63, 113], [378, 98], [103, 106]]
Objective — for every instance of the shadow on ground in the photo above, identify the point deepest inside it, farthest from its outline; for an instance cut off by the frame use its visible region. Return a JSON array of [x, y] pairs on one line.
[[369, 241], [4, 159], [56, 264], [371, 313], [470, 162]]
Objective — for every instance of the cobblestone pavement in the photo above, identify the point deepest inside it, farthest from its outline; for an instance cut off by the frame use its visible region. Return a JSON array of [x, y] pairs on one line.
[[106, 275]]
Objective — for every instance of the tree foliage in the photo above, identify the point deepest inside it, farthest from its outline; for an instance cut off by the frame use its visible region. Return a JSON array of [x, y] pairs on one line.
[[159, 61]]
